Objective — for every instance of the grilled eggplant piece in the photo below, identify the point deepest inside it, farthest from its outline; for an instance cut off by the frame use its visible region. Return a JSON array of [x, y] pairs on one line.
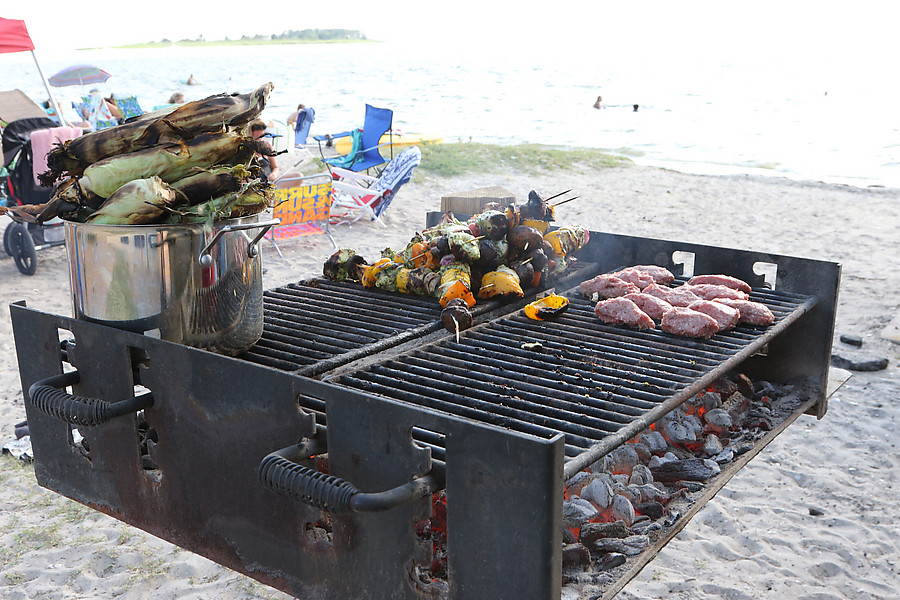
[[344, 265], [488, 256], [456, 316], [525, 271], [524, 238], [492, 224]]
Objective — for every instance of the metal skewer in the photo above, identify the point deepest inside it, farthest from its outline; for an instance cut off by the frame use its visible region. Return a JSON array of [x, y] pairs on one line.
[[556, 195], [564, 201]]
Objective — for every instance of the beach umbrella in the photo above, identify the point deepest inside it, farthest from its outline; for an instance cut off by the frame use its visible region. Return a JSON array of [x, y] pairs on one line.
[[79, 75]]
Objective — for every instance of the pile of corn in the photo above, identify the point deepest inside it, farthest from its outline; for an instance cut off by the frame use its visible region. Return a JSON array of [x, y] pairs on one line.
[[186, 164]]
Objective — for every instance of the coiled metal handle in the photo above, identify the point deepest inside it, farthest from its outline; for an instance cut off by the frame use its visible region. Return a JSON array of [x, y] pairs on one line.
[[333, 494], [49, 398]]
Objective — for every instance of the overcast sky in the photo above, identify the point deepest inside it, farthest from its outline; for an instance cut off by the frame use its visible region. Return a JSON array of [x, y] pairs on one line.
[[822, 30]]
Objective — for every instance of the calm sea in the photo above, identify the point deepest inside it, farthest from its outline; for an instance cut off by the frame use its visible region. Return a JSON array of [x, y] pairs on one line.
[[708, 113]]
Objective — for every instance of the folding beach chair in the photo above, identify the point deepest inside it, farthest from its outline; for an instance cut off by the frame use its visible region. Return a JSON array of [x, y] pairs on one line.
[[366, 142], [129, 107], [357, 195]]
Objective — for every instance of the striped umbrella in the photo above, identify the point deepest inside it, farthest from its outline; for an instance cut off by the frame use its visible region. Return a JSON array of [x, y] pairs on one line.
[[79, 75]]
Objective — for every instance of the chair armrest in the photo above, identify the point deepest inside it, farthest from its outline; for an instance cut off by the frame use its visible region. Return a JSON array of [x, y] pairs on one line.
[[353, 176], [297, 178], [349, 188], [322, 138]]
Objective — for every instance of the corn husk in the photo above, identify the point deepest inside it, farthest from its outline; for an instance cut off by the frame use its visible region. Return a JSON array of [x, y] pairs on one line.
[[137, 202], [183, 122]]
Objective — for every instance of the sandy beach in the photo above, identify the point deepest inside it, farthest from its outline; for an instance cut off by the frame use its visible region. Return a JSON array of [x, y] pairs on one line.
[[813, 517]]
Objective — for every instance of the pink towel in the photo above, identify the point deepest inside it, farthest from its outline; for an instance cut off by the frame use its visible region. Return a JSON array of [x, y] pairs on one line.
[[43, 140]]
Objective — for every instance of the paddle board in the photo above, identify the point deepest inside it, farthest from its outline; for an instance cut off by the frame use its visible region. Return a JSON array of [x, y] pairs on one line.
[[400, 141]]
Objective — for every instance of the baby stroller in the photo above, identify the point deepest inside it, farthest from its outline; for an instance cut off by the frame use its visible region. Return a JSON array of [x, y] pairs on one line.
[[21, 240]]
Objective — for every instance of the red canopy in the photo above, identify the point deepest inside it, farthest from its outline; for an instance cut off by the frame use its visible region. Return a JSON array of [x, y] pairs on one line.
[[14, 36]]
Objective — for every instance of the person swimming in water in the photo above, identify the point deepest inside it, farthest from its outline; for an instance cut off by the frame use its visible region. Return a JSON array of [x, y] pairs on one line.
[[192, 81]]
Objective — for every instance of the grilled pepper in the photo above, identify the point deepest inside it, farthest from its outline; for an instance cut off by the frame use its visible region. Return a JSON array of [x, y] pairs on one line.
[[456, 280], [547, 307], [368, 277], [568, 239], [504, 282]]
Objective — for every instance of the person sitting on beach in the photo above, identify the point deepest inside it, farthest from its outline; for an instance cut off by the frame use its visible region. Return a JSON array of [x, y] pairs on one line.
[[100, 112], [268, 164], [176, 98], [80, 123], [301, 119]]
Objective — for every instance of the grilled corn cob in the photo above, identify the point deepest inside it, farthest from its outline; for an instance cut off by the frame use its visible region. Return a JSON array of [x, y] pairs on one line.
[[207, 184], [170, 162], [201, 116], [138, 202]]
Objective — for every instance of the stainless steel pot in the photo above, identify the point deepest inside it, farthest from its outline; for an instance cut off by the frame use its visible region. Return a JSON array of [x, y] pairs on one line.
[[197, 285]]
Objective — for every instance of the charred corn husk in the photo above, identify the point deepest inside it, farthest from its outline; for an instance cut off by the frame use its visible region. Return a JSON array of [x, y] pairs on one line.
[[136, 203], [184, 122], [250, 199], [169, 162], [207, 184]]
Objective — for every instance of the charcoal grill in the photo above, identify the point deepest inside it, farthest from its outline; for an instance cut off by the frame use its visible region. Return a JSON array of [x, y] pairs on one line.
[[221, 458]]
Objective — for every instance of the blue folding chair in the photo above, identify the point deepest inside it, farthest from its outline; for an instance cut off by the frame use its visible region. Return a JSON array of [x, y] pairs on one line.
[[364, 153]]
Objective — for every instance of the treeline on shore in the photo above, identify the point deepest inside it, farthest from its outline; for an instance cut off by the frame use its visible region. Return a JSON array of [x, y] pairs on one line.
[[293, 36]]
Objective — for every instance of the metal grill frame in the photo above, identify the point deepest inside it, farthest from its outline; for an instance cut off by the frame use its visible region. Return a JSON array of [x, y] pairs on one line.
[[211, 424]]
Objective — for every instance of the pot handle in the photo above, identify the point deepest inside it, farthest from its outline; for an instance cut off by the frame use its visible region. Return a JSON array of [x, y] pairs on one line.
[[326, 492], [252, 250], [48, 397]]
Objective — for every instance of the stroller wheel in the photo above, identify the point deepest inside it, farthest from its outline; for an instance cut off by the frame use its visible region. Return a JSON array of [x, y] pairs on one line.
[[21, 247]]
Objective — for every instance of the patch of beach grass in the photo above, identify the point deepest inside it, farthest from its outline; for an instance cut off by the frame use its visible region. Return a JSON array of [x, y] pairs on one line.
[[450, 159]]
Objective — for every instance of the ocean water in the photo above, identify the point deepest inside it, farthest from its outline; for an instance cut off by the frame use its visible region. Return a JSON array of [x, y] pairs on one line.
[[809, 117]]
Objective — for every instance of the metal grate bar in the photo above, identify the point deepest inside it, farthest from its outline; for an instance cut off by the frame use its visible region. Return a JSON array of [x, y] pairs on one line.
[[315, 325], [554, 372], [590, 381], [384, 382]]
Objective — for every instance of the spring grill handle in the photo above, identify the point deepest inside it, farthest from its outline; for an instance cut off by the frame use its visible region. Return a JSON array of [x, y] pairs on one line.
[[49, 398], [332, 494]]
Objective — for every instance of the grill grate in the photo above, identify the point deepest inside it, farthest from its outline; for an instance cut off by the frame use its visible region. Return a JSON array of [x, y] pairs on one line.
[[586, 379], [317, 324]]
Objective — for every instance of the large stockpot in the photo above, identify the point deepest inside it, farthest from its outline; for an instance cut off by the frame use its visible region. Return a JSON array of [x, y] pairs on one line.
[[198, 285]]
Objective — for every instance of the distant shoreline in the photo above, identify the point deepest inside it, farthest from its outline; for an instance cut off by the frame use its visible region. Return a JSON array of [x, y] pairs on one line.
[[191, 44]]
